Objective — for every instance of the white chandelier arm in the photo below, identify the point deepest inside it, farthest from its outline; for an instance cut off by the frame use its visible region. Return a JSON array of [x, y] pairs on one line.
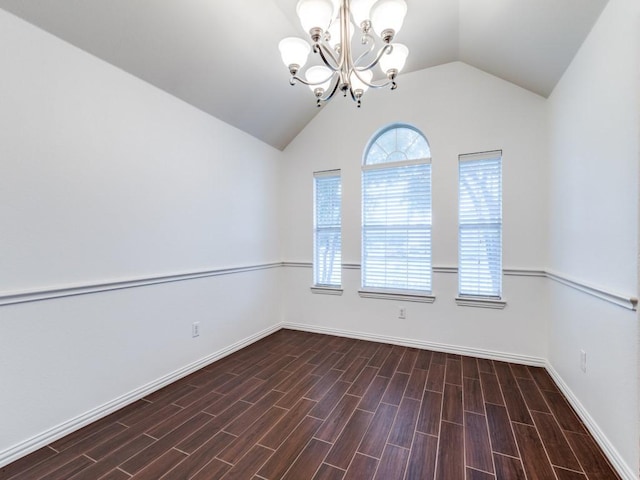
[[297, 78], [386, 49], [391, 81], [324, 51]]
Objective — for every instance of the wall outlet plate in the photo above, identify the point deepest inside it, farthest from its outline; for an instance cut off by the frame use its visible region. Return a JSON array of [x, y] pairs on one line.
[[195, 329]]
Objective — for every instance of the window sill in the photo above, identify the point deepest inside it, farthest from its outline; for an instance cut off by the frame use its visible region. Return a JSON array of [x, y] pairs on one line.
[[407, 296], [480, 302], [326, 290]]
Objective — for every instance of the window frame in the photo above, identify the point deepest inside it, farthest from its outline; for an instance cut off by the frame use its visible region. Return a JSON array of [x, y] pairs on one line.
[[406, 294], [484, 300]]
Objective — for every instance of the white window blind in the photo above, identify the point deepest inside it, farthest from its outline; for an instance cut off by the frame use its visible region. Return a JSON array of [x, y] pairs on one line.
[[327, 234], [480, 225]]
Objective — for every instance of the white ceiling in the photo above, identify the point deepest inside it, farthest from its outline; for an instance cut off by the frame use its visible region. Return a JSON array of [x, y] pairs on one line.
[[222, 56]]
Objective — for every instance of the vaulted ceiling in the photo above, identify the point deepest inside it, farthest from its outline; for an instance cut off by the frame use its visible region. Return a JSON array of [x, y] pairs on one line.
[[222, 55]]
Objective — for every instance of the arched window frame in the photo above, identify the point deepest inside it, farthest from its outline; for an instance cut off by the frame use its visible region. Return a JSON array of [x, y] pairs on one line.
[[396, 237]]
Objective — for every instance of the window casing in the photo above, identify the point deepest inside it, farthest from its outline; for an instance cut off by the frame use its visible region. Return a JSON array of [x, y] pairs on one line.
[[396, 212], [480, 225], [327, 229]]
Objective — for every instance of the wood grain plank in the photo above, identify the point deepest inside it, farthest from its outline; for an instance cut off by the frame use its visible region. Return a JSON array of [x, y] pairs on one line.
[[200, 458], [491, 389], [407, 361], [472, 396], [479, 475], [555, 443], [435, 378], [564, 414], [287, 424], [246, 467], [388, 367], [430, 413], [309, 460], [452, 410], [534, 458], [349, 440], [405, 423], [453, 373], [361, 468], [328, 472], [422, 462], [340, 415], [477, 447], [361, 384], [502, 439], [375, 438], [594, 463], [161, 465], [424, 360], [395, 390], [393, 463], [290, 448], [450, 462], [416, 384], [470, 368], [371, 399], [508, 468], [242, 444]]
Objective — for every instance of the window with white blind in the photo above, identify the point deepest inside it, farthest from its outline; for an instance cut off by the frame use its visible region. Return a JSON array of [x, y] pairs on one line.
[[480, 225], [396, 214], [327, 229]]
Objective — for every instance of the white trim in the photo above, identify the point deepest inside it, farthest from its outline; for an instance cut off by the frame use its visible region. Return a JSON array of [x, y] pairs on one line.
[[399, 295], [630, 303], [406, 342], [45, 438], [488, 155], [60, 291], [297, 264], [625, 301], [618, 463], [351, 266], [480, 302], [401, 163], [326, 290]]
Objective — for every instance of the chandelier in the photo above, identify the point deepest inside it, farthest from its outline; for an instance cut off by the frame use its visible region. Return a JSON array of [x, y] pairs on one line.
[[345, 67]]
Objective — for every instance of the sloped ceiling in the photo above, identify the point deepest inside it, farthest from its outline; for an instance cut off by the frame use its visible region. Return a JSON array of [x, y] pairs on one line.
[[221, 55]]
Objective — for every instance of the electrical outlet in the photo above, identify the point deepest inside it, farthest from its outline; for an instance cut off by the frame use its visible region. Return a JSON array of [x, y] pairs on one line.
[[402, 312], [195, 329], [583, 361]]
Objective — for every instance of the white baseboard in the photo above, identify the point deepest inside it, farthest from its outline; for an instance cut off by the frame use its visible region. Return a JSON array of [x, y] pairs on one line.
[[623, 469], [45, 438], [438, 347]]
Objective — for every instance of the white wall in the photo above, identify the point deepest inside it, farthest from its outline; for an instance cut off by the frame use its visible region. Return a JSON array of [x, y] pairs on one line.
[[105, 178], [460, 110], [593, 217]]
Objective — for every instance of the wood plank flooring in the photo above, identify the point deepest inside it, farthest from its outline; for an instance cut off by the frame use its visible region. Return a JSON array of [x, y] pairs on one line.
[[298, 406]]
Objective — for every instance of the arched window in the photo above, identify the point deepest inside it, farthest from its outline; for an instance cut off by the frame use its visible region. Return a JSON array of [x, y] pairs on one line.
[[396, 212]]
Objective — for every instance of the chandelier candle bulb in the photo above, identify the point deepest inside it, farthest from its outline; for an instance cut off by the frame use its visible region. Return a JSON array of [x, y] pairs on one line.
[[347, 66], [387, 17], [315, 16], [393, 62], [294, 52]]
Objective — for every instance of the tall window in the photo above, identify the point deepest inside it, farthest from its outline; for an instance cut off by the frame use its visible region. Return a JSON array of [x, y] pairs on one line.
[[396, 211], [327, 235], [480, 225]]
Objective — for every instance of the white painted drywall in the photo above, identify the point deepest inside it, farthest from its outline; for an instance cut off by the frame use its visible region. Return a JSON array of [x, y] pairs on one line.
[[593, 216], [103, 178], [460, 110]]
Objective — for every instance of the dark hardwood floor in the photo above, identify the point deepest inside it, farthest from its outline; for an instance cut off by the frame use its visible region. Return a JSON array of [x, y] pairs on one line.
[[299, 406]]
